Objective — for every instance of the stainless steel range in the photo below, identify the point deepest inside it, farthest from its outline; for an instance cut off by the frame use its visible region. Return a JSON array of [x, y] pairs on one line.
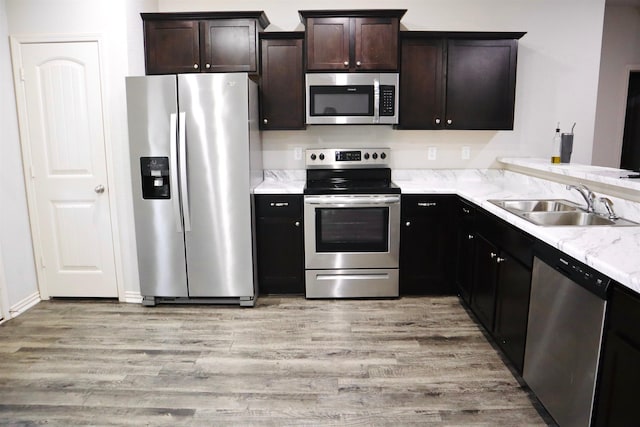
[[352, 224]]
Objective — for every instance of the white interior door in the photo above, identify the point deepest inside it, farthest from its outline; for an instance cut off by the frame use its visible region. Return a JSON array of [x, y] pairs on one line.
[[59, 92]]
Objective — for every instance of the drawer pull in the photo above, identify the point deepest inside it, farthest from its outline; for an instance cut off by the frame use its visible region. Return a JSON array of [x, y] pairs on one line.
[[427, 204], [279, 204]]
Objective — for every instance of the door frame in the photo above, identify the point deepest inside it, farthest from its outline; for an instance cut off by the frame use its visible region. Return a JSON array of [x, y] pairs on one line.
[[622, 112], [4, 299], [16, 41]]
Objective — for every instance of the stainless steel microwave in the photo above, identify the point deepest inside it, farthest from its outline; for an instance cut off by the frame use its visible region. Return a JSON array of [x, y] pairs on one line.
[[352, 98]]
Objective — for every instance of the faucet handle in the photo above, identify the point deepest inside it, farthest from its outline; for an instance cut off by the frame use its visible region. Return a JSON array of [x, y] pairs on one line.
[[608, 204]]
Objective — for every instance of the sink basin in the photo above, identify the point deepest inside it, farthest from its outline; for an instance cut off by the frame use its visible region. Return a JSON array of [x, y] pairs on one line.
[[538, 205], [567, 218], [557, 212]]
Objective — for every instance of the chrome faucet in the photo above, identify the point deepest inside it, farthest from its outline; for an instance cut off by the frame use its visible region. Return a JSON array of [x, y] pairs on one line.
[[588, 195], [608, 204]]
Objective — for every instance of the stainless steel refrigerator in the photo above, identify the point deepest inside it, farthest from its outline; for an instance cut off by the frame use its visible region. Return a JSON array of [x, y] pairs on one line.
[[196, 157]]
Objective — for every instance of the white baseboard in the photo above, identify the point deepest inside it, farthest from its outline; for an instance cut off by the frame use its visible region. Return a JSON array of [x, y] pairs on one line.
[[24, 305], [132, 297]]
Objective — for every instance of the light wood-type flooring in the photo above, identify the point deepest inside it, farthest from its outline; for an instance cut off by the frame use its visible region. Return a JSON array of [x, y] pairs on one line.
[[287, 361]]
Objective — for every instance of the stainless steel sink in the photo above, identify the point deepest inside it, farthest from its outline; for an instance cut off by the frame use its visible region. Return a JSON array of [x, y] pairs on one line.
[[550, 205], [553, 212]]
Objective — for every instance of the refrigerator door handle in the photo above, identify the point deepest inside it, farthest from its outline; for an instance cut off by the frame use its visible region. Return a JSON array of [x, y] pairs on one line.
[[182, 158], [173, 167]]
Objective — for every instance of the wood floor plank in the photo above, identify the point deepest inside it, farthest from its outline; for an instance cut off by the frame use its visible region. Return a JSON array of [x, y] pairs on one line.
[[287, 361]]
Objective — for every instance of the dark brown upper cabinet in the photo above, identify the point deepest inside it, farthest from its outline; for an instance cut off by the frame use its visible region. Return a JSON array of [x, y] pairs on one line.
[[352, 40], [457, 80], [282, 81], [194, 42]]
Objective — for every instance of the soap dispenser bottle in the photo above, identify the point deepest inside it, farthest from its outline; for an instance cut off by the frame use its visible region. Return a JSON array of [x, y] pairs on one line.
[[555, 149]]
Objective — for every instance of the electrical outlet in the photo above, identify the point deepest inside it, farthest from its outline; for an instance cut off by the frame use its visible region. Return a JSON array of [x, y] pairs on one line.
[[432, 153], [297, 153], [466, 152]]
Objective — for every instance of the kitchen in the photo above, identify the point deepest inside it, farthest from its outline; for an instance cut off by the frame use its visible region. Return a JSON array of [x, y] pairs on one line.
[[557, 81]]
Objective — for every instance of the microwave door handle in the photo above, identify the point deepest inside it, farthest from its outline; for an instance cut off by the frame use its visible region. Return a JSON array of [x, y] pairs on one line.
[[173, 168]]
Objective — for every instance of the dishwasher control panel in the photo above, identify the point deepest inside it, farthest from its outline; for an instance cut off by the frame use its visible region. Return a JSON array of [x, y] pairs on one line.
[[582, 274]]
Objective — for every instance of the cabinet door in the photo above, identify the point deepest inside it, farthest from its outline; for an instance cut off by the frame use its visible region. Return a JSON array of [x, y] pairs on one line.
[[484, 286], [376, 44], [619, 376], [282, 86], [328, 44], [279, 236], [481, 81], [422, 84], [171, 47], [426, 246], [512, 308], [229, 45], [465, 251]]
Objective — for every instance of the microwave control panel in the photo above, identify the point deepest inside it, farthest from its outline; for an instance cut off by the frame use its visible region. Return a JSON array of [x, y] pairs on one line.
[[387, 100]]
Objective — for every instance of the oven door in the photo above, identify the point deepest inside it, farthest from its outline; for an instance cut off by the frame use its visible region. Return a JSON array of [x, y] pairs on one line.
[[352, 231]]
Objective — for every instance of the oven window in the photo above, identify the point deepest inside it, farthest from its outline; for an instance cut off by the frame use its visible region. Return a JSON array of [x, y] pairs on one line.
[[352, 229], [341, 100]]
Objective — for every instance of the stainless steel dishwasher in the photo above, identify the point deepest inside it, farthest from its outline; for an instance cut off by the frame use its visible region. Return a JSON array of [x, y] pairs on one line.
[[564, 333]]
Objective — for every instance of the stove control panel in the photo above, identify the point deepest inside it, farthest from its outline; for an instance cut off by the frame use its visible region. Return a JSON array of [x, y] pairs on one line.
[[347, 158]]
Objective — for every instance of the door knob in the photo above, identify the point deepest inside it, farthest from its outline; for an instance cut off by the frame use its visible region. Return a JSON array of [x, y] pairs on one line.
[[99, 189], [408, 223], [346, 63], [297, 223], [449, 121], [195, 66], [358, 63], [437, 121]]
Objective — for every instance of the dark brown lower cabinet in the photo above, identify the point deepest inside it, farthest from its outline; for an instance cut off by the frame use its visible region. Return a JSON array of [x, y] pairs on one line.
[[619, 376], [280, 242], [426, 245], [501, 283]]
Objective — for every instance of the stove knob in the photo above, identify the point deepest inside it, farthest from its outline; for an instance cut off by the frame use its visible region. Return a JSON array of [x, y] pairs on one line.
[[383, 156], [321, 156], [313, 157], [375, 156], [366, 156]]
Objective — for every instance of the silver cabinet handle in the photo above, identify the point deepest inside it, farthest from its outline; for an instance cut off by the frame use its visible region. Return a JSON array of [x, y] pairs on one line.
[[449, 121], [427, 204], [499, 260], [408, 223], [358, 63], [99, 189], [279, 204], [346, 63], [437, 121], [470, 237], [265, 121], [465, 210], [196, 66], [493, 255], [207, 66], [297, 223]]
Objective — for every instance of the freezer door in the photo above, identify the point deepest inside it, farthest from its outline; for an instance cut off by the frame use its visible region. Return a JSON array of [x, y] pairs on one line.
[[152, 111], [218, 194]]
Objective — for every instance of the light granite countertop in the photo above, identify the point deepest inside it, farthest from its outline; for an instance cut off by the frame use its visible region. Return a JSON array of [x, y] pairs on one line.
[[614, 251]]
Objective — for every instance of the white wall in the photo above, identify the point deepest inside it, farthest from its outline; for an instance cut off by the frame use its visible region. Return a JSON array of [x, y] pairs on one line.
[[15, 237], [620, 54], [558, 65]]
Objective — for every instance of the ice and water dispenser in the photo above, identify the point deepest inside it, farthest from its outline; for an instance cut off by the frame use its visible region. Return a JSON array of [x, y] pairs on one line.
[[155, 177]]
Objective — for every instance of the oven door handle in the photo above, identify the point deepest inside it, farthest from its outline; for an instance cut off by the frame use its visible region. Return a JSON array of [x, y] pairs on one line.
[[352, 201]]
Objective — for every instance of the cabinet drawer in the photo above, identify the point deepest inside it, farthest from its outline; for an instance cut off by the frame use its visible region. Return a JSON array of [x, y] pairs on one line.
[[279, 205], [624, 314], [518, 244], [426, 205]]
